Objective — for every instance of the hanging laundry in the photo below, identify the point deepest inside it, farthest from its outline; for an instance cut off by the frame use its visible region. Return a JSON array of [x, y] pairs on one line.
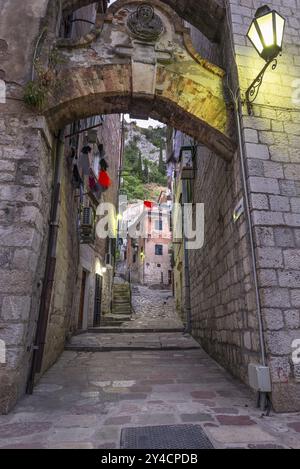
[[86, 150], [71, 153], [77, 181], [92, 183], [104, 179], [103, 164], [84, 162], [148, 204]]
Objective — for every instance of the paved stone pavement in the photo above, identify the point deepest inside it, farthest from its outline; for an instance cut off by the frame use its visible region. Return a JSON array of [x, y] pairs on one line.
[[87, 397], [85, 400], [153, 309], [131, 341]]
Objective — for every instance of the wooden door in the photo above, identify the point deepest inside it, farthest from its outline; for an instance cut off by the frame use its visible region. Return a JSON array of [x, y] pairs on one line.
[[98, 301], [82, 297]]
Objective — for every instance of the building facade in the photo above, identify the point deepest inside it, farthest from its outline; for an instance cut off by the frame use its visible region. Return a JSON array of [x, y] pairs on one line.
[[75, 290], [148, 256]]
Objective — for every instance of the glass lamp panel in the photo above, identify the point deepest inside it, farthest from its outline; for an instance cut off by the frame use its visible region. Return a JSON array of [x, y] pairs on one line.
[[255, 39], [265, 24], [280, 22]]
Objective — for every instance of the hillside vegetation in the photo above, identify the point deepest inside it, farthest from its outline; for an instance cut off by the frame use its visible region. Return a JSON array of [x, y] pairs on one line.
[[144, 169]]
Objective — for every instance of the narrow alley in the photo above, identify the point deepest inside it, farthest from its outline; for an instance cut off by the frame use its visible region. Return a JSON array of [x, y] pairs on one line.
[[146, 380], [149, 225]]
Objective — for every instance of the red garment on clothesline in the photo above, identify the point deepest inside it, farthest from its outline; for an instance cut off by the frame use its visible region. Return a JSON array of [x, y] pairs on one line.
[[104, 179], [148, 204]]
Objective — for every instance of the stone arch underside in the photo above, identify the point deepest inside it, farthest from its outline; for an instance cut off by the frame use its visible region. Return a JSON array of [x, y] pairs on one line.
[[206, 15], [121, 69]]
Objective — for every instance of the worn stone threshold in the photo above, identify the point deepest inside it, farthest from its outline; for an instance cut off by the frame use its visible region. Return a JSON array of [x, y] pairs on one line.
[[122, 330], [95, 349]]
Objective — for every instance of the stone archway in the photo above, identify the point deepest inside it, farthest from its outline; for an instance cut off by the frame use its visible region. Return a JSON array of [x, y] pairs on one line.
[[206, 15], [145, 66]]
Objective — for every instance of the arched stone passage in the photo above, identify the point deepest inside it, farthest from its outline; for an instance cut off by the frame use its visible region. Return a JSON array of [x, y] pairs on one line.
[[206, 15], [154, 60]]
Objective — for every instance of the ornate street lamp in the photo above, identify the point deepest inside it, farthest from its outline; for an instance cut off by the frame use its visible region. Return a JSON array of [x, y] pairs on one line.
[[266, 34]]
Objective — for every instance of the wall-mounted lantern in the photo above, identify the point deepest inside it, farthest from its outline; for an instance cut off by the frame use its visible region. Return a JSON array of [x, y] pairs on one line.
[[266, 34], [187, 162]]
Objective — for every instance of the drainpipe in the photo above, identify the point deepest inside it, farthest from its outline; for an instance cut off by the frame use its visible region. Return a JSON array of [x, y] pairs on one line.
[[238, 112], [42, 323], [188, 308]]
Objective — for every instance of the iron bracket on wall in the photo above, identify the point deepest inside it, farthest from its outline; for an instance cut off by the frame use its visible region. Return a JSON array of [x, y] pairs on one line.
[[253, 90]]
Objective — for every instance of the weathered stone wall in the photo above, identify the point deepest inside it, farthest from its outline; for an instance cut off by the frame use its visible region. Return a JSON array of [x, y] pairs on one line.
[[223, 301], [27, 154], [272, 146], [117, 79], [67, 260], [25, 192], [110, 136], [223, 304], [222, 295]]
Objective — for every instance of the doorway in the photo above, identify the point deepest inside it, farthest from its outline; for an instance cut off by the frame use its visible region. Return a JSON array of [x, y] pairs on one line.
[[82, 297], [98, 300]]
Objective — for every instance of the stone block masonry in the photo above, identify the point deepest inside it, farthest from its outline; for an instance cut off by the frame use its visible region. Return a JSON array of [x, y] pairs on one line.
[[224, 310], [25, 153], [272, 146], [223, 305]]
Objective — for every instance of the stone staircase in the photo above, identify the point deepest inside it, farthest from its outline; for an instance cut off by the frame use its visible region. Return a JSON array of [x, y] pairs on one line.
[[121, 306], [121, 299]]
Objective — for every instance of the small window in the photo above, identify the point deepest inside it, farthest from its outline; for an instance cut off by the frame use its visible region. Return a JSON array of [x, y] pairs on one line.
[[158, 225], [158, 250]]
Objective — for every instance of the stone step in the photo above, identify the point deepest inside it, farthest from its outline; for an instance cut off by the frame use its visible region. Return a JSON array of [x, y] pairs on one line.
[[141, 348], [122, 311], [122, 305], [125, 292], [112, 323], [122, 300], [115, 317], [121, 297], [121, 330]]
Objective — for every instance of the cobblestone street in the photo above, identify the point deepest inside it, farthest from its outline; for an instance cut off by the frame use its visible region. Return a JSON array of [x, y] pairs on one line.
[[153, 309], [87, 398]]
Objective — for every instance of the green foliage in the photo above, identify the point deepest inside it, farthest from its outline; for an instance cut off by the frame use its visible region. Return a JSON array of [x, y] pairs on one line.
[[161, 164], [138, 170], [133, 187], [156, 136], [37, 91], [35, 95], [155, 175]]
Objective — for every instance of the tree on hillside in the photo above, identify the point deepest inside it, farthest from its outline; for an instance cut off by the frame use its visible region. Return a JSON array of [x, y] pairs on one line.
[[139, 168], [146, 172], [139, 171], [161, 164]]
